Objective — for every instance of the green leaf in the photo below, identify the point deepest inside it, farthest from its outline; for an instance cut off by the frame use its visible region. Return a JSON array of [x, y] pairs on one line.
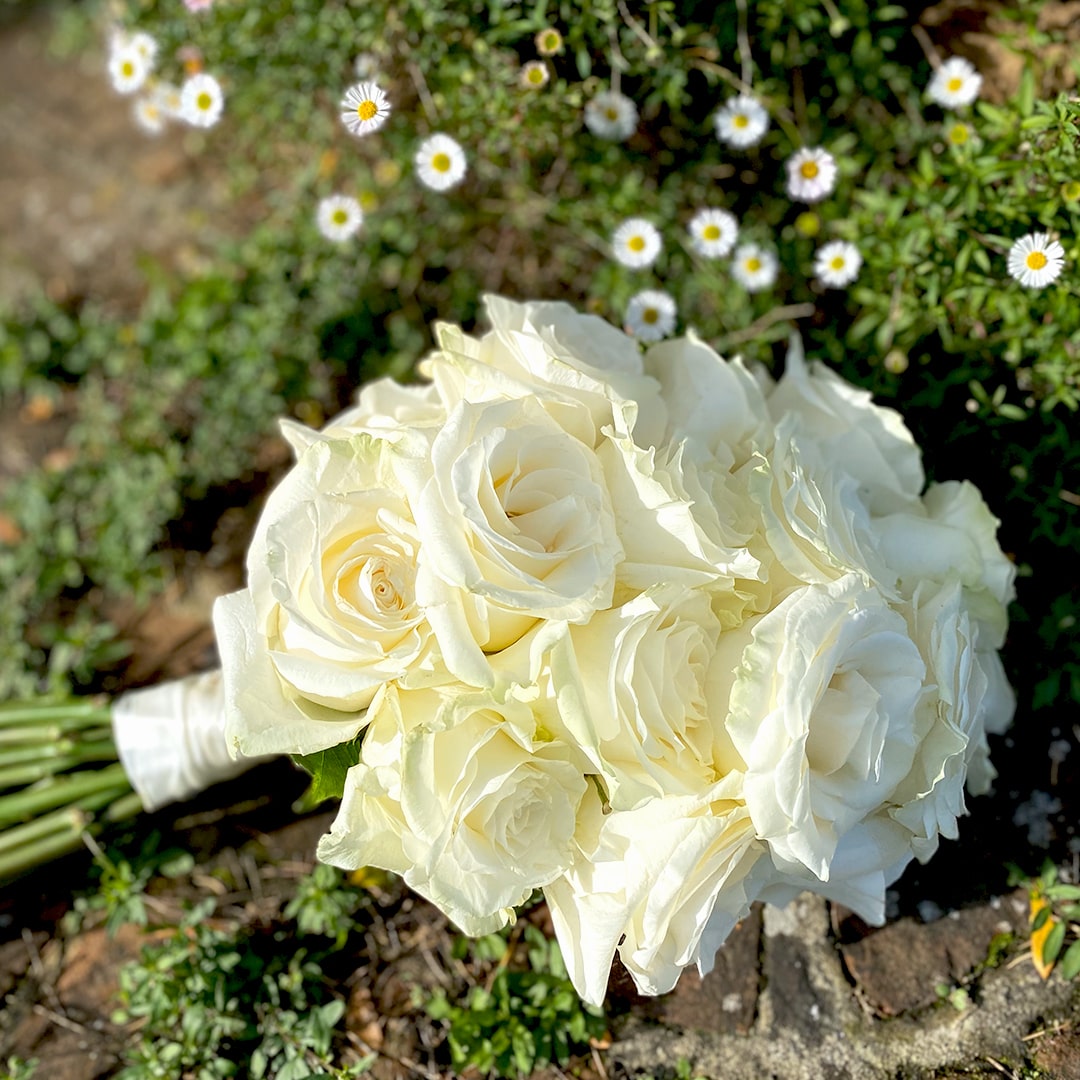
[[1026, 97], [1040, 919], [1054, 940], [1070, 962], [327, 769]]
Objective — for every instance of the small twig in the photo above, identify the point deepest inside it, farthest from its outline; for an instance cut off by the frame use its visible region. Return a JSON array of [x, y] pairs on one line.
[[421, 85], [742, 36], [927, 46], [639, 30], [778, 314], [60, 1020]]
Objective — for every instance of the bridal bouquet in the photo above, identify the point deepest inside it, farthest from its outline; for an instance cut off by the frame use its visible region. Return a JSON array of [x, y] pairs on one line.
[[651, 633]]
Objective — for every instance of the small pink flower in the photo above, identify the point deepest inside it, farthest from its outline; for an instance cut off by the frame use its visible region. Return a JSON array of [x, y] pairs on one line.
[[198, 5]]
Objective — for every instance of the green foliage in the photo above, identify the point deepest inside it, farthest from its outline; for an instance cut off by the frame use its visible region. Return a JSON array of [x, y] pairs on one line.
[[17, 1068], [322, 906], [328, 769], [1056, 904], [210, 1002], [519, 1019]]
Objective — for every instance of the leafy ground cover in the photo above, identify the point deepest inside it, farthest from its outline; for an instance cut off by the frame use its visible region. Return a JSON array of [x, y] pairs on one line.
[[137, 404]]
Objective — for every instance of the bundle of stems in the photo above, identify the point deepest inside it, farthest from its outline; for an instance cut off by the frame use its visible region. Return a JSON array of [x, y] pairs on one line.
[[60, 779]]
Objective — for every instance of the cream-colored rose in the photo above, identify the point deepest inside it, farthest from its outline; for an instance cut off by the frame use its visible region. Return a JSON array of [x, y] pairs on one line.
[[822, 711], [951, 534], [850, 434], [586, 373], [633, 689], [951, 723], [665, 883], [330, 611], [469, 798], [383, 409], [813, 517], [716, 404], [517, 525]]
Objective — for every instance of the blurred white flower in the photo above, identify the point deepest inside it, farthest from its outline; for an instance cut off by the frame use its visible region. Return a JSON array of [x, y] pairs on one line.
[[741, 122], [650, 315], [837, 264], [955, 83], [1036, 260], [754, 267], [636, 243], [811, 174], [201, 100], [611, 115], [713, 233], [339, 217], [364, 108], [440, 162]]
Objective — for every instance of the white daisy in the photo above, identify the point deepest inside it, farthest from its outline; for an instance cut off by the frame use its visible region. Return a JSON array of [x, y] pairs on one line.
[[149, 114], [169, 100], [549, 41], [811, 174], [534, 75], [145, 45], [741, 122], [955, 83], [364, 108], [611, 115], [636, 243], [365, 65], [440, 162], [650, 315], [837, 264], [754, 267], [339, 217], [1035, 260], [201, 100], [713, 233], [128, 69]]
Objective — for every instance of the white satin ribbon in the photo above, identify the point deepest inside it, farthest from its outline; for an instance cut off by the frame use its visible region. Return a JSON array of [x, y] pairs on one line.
[[171, 739]]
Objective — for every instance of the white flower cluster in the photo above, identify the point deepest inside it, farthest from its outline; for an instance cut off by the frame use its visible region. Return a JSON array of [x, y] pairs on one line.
[[132, 57], [648, 632]]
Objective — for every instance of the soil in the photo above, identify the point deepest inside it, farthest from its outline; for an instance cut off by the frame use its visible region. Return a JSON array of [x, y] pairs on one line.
[[804, 992]]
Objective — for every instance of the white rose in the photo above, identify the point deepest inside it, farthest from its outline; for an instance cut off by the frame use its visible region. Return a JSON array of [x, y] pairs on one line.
[[870, 856], [633, 689], [383, 408], [669, 880], [467, 797], [851, 434], [516, 518], [672, 527], [951, 534], [583, 371], [330, 611], [822, 712], [715, 404], [948, 722], [813, 518]]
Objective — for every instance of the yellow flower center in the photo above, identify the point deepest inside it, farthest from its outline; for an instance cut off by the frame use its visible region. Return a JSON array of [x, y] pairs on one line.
[[551, 41], [740, 120], [837, 262], [611, 113], [954, 85], [636, 243], [127, 69], [752, 265], [204, 101], [1035, 260], [441, 162], [366, 109], [809, 169], [958, 134], [650, 315], [536, 75], [710, 232], [340, 217]]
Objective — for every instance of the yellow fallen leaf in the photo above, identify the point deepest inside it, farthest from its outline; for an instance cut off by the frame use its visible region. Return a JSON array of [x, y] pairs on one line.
[[1038, 937]]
